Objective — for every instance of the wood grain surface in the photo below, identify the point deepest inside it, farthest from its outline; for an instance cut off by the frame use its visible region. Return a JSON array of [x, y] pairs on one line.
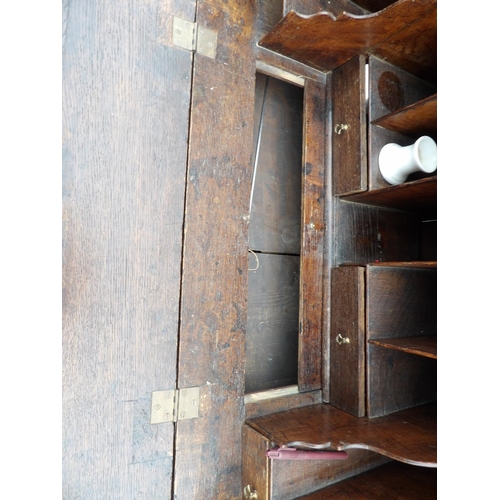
[[126, 100], [215, 255], [325, 41], [408, 436]]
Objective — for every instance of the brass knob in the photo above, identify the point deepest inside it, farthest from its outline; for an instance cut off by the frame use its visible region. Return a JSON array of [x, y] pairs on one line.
[[340, 127], [342, 340], [249, 493]]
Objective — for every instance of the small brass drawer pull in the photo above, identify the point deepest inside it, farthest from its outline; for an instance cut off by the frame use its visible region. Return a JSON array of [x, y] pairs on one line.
[[342, 340], [249, 493], [339, 127]]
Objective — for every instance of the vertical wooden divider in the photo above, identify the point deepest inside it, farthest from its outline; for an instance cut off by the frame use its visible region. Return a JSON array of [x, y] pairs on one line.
[[215, 258], [313, 230]]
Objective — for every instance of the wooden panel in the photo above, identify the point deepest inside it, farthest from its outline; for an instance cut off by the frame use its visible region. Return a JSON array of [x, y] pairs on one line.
[[324, 41], [215, 263], [272, 332], [397, 380], [347, 368], [366, 234], [393, 481], [275, 214], [255, 464], [350, 166], [391, 89], [408, 435], [292, 478], [313, 238], [401, 302], [126, 100]]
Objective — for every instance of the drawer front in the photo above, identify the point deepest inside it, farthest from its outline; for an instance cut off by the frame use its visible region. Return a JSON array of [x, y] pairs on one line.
[[347, 366]]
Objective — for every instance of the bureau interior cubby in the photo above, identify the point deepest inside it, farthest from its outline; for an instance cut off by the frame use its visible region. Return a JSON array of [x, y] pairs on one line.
[[380, 335]]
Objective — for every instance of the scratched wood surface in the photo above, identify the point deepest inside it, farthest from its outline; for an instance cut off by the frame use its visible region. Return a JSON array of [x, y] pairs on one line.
[[214, 277], [313, 237], [125, 126]]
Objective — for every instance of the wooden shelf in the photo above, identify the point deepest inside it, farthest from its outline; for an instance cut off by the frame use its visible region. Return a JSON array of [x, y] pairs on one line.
[[414, 120], [403, 34], [388, 482], [415, 196], [421, 346], [407, 436]]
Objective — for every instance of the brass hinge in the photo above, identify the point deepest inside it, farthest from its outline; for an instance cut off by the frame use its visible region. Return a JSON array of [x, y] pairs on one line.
[[174, 405], [190, 36]]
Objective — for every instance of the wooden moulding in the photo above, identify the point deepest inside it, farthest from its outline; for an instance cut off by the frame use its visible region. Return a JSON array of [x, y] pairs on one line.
[[404, 33], [407, 436]]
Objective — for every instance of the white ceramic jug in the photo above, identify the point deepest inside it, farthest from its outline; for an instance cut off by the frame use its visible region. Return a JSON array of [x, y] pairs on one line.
[[396, 162]]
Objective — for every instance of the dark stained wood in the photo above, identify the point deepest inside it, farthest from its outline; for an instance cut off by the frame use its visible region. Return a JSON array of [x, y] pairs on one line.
[[350, 155], [273, 322], [414, 48], [397, 380], [255, 464], [215, 256], [308, 7], [400, 302], [428, 240], [365, 234], [415, 120], [313, 237], [275, 214], [408, 436], [257, 407], [347, 360], [418, 196], [393, 481], [126, 96], [285, 480], [288, 479], [421, 346], [324, 41], [391, 89]]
